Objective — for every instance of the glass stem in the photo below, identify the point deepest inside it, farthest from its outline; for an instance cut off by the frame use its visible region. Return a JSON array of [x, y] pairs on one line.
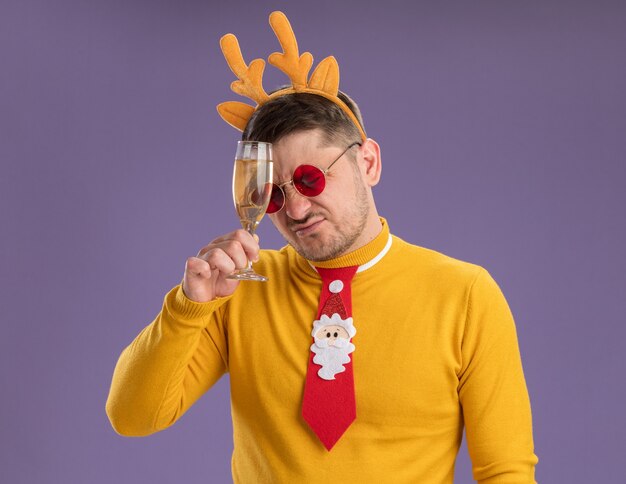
[[250, 227]]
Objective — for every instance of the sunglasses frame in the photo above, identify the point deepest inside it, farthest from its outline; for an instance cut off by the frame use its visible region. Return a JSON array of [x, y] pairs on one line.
[[322, 171]]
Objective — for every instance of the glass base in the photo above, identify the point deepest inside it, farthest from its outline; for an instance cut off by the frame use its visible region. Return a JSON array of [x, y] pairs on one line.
[[247, 275]]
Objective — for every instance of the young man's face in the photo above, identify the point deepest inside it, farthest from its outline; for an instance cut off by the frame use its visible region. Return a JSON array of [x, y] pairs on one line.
[[330, 224]]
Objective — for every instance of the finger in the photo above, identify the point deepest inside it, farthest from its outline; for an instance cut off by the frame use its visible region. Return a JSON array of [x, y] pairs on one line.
[[214, 243], [236, 252], [222, 262], [247, 242], [241, 235]]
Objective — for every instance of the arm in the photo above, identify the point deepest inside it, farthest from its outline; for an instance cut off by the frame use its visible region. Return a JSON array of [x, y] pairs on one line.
[[168, 366], [178, 357], [492, 390]]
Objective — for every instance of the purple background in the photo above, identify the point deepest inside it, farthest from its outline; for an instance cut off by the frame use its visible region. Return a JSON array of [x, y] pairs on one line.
[[503, 130]]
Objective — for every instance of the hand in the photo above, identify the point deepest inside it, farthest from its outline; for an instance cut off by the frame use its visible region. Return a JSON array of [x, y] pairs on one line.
[[205, 274]]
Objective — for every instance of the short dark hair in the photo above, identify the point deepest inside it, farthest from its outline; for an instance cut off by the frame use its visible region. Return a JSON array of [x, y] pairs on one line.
[[296, 112]]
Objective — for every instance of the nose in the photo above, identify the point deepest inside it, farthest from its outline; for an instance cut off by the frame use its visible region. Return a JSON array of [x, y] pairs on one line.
[[297, 206]]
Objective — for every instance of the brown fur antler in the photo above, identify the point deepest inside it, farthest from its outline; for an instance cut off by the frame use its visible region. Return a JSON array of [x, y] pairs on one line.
[[290, 62], [250, 83]]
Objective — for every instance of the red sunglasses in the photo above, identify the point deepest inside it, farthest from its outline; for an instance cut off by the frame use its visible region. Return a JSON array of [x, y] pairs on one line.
[[309, 180]]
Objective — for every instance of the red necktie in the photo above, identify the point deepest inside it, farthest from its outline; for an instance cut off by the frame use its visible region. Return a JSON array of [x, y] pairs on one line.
[[329, 405]]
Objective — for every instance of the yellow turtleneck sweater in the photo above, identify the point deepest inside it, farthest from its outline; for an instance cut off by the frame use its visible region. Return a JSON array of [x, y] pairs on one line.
[[436, 347]]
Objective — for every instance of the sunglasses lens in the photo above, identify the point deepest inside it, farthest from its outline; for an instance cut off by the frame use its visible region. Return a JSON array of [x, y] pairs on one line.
[[309, 180], [277, 199]]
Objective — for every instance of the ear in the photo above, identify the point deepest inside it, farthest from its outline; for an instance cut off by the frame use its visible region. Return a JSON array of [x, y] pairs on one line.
[[370, 162]]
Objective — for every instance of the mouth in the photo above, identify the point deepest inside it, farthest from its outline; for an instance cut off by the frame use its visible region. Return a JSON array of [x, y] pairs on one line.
[[304, 230]]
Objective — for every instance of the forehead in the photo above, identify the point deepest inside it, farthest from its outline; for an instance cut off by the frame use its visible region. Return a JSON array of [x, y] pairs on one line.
[[303, 147]]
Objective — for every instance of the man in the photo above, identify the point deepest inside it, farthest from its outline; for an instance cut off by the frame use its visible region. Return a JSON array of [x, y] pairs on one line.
[[362, 357]]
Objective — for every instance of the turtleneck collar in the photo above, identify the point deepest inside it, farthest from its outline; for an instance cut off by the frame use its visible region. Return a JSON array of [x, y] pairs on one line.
[[364, 257]]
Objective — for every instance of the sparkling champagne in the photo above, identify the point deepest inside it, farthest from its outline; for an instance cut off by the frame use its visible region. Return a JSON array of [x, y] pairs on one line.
[[252, 188]]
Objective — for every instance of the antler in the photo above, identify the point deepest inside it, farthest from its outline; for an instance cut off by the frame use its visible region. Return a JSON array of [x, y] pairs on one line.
[[290, 62], [235, 113], [250, 83], [323, 82], [325, 77]]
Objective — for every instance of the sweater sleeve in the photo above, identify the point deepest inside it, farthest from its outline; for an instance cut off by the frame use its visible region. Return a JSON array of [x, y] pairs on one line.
[[492, 390], [168, 366]]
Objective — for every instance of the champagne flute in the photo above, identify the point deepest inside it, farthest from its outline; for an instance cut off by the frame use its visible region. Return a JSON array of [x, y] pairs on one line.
[[252, 187]]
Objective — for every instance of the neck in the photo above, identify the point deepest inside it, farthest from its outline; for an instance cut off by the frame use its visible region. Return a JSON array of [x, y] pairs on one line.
[[370, 247], [372, 228]]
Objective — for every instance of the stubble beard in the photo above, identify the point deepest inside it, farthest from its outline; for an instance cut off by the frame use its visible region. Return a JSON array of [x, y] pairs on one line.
[[345, 236]]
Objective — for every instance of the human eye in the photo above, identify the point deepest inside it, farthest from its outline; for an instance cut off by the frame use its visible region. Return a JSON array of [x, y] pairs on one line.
[[311, 179]]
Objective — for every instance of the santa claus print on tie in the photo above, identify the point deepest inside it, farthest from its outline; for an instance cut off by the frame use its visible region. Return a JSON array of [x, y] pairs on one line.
[[332, 346]]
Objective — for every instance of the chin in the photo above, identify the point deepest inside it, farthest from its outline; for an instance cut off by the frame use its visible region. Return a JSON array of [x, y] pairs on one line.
[[321, 250], [308, 251]]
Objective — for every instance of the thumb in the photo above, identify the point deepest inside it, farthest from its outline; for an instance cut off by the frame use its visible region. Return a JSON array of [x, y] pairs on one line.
[[197, 268], [197, 284]]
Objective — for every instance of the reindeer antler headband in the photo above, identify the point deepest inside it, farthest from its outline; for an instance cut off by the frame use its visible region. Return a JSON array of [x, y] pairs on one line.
[[324, 81]]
